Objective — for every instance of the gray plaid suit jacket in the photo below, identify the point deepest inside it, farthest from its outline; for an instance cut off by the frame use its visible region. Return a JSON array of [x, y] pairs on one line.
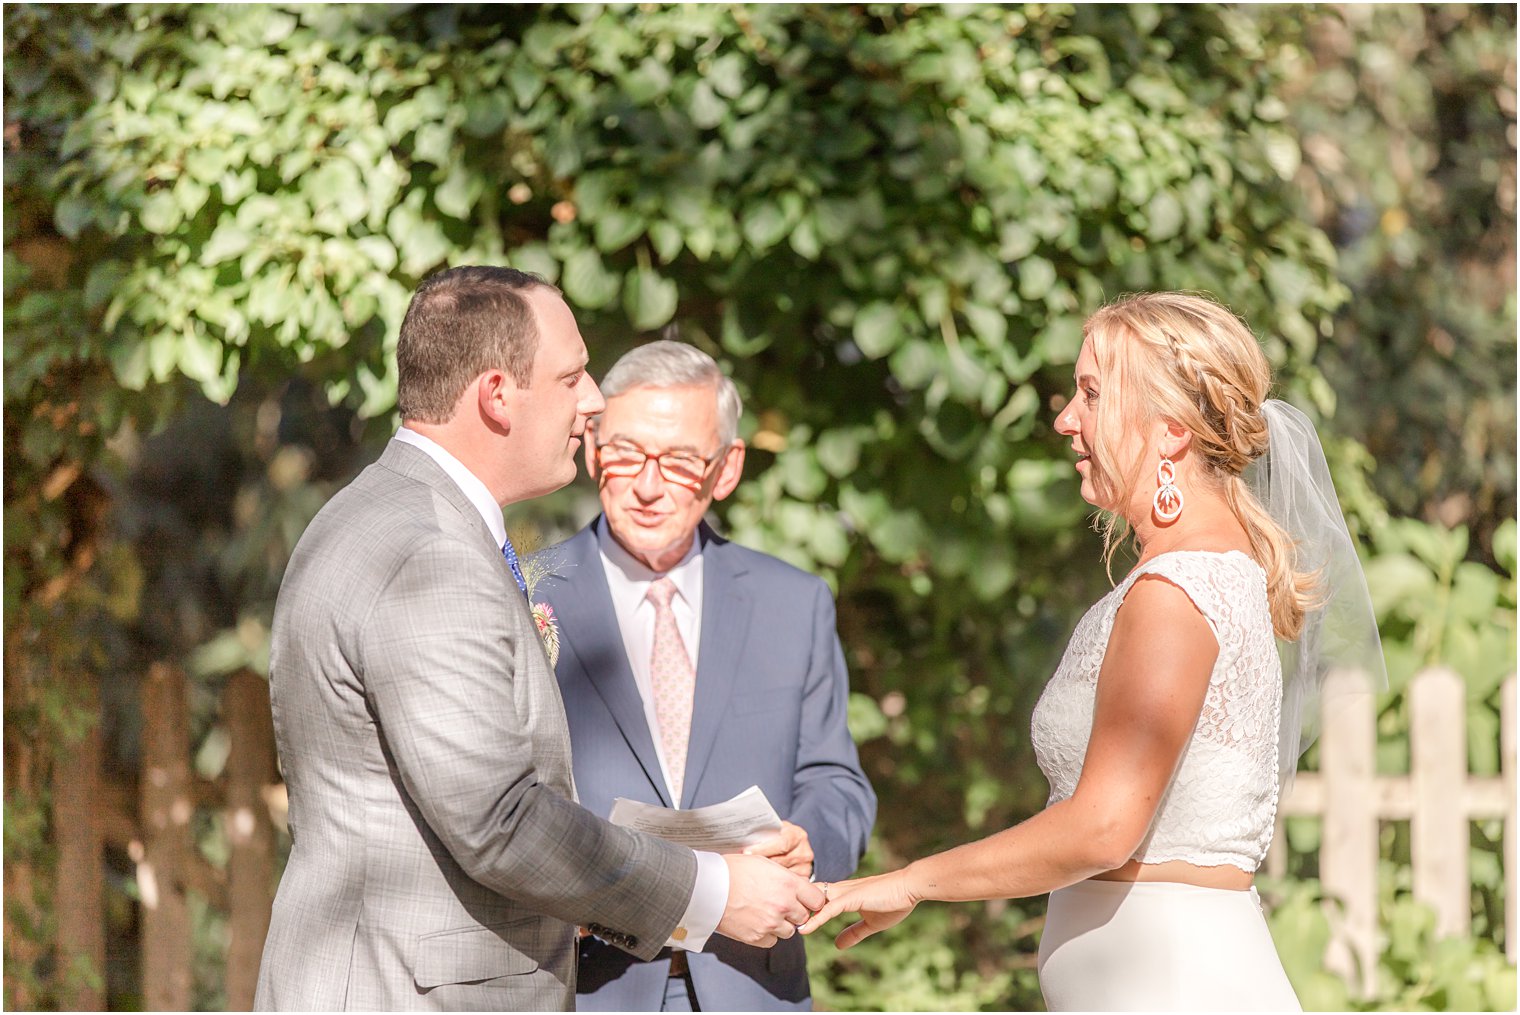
[[438, 857]]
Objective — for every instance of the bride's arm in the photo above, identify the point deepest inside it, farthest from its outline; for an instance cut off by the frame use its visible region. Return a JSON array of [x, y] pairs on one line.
[[1150, 693]]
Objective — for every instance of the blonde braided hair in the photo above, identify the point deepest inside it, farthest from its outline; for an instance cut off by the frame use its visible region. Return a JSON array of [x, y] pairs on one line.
[[1185, 358]]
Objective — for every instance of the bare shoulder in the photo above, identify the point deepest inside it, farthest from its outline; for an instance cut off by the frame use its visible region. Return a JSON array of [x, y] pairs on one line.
[[1155, 597], [1159, 617]]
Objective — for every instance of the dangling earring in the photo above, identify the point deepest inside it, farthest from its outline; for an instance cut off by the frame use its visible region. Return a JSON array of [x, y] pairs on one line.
[[1168, 500]]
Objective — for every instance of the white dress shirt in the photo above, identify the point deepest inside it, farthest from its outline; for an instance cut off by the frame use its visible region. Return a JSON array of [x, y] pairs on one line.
[[709, 896]]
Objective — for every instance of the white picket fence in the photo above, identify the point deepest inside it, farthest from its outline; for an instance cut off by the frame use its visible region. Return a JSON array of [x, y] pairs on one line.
[[1438, 798]]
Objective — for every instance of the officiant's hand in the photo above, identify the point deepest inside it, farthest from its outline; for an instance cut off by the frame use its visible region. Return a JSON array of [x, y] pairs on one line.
[[766, 902], [788, 847], [882, 901]]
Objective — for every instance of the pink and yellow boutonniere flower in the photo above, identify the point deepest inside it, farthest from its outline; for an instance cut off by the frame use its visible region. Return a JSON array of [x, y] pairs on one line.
[[535, 567], [548, 630]]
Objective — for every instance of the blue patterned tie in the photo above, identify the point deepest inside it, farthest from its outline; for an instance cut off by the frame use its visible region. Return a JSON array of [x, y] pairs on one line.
[[511, 555]]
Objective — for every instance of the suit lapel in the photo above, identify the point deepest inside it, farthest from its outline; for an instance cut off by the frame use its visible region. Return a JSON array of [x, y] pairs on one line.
[[725, 622], [589, 635], [414, 463]]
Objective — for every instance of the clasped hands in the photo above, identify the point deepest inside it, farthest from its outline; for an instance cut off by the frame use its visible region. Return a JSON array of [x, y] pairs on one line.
[[769, 896], [882, 901], [769, 901]]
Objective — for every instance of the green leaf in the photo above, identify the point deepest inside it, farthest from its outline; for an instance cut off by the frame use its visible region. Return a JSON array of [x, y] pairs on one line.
[[728, 77], [764, 225], [335, 187], [707, 110], [486, 112], [1395, 579], [457, 194], [380, 251], [666, 240], [72, 214], [1016, 241], [129, 364], [878, 329], [993, 574], [865, 718], [649, 299], [433, 143], [236, 186], [160, 213], [917, 362], [535, 258], [227, 241], [616, 228], [838, 452], [801, 475], [650, 80], [1505, 546], [1036, 277], [526, 83], [586, 282], [191, 196], [804, 239], [1062, 339], [420, 241], [988, 324], [1474, 594], [1164, 214], [101, 285]]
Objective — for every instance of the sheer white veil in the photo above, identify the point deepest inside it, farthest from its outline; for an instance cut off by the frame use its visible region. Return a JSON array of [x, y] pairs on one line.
[[1292, 481]]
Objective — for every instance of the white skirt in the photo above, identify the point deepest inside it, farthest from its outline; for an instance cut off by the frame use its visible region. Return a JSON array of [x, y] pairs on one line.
[[1159, 946]]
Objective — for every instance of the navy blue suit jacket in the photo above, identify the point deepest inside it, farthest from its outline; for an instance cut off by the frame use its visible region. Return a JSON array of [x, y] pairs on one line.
[[771, 697]]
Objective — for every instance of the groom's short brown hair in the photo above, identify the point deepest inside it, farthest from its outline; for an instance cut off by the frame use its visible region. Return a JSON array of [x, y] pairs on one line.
[[461, 323]]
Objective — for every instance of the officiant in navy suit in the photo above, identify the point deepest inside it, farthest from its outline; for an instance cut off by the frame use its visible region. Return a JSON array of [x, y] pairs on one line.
[[693, 668]]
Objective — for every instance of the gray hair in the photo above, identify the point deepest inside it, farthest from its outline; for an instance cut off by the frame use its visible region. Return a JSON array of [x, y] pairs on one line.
[[667, 364]]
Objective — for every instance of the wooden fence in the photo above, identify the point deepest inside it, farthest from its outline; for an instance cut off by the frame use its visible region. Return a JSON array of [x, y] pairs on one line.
[[154, 828], [1438, 798]]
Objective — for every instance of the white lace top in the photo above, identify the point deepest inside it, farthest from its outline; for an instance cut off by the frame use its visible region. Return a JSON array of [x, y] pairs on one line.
[[1220, 805]]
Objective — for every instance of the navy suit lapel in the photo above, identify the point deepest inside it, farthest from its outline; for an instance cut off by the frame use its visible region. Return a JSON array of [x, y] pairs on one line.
[[725, 622], [589, 634]]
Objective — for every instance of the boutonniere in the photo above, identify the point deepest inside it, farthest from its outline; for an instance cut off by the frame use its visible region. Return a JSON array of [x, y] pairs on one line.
[[548, 630], [536, 566]]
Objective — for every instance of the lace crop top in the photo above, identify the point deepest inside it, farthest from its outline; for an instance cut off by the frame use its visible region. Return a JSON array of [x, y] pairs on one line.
[[1222, 800]]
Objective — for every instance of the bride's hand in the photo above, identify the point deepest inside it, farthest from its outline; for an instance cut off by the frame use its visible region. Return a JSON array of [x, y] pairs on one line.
[[882, 901]]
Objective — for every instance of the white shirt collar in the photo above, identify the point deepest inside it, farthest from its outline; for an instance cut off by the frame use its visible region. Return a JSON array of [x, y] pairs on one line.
[[469, 484], [684, 574]]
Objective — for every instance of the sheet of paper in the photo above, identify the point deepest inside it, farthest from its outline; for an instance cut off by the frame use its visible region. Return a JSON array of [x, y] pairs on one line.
[[719, 828]]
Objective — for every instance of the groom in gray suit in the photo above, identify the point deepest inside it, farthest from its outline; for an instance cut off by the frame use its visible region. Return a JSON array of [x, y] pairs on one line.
[[438, 857], [693, 668]]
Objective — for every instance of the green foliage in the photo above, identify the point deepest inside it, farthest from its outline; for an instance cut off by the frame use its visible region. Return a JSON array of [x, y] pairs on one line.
[[1435, 607], [1417, 971], [888, 221], [1406, 117], [944, 958], [921, 969]]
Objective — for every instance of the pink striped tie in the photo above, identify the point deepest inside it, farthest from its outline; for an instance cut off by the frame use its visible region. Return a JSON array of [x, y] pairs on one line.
[[674, 683]]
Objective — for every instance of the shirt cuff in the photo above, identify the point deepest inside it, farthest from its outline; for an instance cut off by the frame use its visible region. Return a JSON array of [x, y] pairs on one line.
[[708, 900]]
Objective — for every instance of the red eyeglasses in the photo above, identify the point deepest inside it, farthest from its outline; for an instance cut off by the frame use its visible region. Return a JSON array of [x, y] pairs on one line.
[[680, 467]]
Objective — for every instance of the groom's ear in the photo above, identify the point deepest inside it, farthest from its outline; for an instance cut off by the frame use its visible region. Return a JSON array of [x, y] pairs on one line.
[[493, 391]]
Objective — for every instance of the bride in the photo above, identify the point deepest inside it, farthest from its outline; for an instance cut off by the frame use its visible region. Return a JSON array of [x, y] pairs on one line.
[[1168, 729]]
